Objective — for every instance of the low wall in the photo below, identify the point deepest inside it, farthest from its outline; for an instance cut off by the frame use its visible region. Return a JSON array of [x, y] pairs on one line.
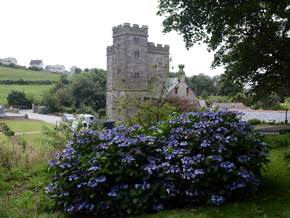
[[11, 110], [11, 117]]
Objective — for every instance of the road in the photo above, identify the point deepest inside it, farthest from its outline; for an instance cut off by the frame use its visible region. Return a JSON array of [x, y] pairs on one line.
[[43, 117]]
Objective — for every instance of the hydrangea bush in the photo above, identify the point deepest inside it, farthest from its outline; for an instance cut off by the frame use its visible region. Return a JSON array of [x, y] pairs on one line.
[[197, 157]]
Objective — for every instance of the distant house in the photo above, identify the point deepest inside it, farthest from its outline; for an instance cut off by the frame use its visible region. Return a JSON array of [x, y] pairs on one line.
[[178, 87], [37, 63], [55, 68], [72, 69], [9, 61]]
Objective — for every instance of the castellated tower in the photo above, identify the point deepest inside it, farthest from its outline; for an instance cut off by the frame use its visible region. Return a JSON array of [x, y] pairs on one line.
[[130, 59]]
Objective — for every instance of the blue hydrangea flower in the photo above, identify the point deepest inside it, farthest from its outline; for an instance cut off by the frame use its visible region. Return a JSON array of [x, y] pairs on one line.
[[244, 158], [216, 199], [158, 207]]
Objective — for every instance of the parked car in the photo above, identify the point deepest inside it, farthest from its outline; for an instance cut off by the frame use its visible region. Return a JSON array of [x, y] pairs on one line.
[[67, 117], [87, 121]]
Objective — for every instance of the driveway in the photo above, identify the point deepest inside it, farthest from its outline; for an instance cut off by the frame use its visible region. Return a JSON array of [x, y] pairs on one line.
[[43, 117]]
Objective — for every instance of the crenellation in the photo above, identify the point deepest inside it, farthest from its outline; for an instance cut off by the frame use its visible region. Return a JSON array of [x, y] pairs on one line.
[[130, 30], [158, 49], [110, 50]]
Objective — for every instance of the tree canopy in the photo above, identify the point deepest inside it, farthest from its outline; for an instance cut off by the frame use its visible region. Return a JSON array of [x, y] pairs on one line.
[[250, 37]]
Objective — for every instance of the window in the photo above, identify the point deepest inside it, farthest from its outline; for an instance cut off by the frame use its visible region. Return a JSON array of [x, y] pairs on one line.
[[119, 71], [160, 64], [118, 47], [136, 40], [176, 91], [137, 54], [137, 75], [187, 90]]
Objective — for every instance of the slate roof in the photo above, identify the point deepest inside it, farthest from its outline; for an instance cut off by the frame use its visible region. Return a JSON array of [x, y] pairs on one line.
[[35, 62]]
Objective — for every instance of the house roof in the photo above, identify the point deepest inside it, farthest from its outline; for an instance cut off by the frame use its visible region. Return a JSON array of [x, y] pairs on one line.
[[54, 66], [172, 83], [8, 59], [35, 62]]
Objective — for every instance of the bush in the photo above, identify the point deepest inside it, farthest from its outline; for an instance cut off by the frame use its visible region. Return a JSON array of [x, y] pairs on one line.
[[197, 157], [254, 121]]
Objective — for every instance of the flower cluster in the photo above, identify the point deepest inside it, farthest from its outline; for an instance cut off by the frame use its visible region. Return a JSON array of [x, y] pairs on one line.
[[187, 158]]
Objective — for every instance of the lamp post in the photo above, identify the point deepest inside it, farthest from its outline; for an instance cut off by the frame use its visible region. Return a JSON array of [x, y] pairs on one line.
[[286, 121]]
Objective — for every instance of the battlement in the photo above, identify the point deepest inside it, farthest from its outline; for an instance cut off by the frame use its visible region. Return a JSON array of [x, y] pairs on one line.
[[110, 49], [130, 30], [158, 49]]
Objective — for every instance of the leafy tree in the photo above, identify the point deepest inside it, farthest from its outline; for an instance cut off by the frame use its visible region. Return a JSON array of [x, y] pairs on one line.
[[78, 70], [203, 82], [250, 37], [204, 94], [17, 98], [51, 101], [89, 88], [227, 89]]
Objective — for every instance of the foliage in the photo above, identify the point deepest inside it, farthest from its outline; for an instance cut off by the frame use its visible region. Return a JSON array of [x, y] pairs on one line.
[[51, 101], [78, 70], [197, 157], [201, 83], [250, 37], [17, 98], [254, 121], [286, 104], [272, 102]]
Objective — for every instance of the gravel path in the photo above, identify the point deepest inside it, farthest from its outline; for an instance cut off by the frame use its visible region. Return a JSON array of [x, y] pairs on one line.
[[43, 117]]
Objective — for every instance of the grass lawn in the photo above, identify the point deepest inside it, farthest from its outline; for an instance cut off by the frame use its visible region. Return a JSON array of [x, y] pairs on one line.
[[7, 73], [35, 90], [27, 126]]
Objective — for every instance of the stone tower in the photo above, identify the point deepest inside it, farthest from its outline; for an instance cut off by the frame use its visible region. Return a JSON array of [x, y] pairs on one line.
[[130, 59]]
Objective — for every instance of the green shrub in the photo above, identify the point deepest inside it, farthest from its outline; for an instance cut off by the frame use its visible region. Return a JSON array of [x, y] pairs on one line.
[[254, 121], [197, 157]]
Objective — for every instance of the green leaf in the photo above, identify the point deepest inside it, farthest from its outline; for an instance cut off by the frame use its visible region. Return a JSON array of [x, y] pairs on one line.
[[222, 192], [135, 200], [225, 177], [129, 210]]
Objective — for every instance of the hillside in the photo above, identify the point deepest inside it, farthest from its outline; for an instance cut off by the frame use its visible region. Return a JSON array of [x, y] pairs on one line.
[[11, 74], [7, 73]]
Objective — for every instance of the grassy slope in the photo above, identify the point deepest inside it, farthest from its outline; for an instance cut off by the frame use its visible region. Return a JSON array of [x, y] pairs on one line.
[[7, 73], [27, 126]]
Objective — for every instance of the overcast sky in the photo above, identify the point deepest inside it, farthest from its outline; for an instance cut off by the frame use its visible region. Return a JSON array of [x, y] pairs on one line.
[[77, 32]]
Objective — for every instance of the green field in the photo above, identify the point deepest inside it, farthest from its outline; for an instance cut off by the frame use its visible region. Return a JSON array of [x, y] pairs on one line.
[[27, 126], [7, 73], [36, 90]]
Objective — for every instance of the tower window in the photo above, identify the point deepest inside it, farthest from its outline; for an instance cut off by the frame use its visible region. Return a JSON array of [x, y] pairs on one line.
[[118, 47], [176, 91], [160, 64], [119, 71], [137, 54], [136, 40], [187, 90], [137, 75]]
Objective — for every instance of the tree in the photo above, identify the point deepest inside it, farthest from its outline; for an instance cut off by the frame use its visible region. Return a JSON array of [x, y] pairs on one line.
[[78, 70], [17, 98], [203, 82], [250, 37]]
